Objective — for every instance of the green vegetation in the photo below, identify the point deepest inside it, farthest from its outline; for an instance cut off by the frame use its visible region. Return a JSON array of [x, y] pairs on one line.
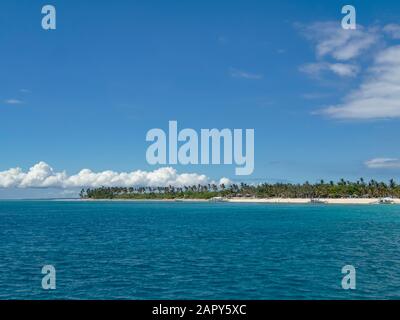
[[341, 189]]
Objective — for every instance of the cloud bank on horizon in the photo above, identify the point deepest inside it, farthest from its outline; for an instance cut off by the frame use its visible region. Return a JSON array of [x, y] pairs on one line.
[[383, 163], [41, 175]]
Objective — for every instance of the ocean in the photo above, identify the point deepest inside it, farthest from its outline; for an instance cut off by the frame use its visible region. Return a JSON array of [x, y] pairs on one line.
[[163, 250]]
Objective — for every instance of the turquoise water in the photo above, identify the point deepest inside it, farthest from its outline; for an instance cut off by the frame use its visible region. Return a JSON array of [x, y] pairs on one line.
[[127, 250]]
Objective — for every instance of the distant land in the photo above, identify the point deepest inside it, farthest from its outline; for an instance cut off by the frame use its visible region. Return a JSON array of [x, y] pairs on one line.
[[342, 192]]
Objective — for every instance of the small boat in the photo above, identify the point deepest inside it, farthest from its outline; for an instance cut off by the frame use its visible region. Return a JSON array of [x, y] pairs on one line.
[[387, 200], [218, 199], [318, 201]]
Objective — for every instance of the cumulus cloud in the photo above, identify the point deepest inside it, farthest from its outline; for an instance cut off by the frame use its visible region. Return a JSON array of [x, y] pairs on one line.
[[225, 181], [340, 69], [331, 40], [41, 175], [378, 96], [235, 73], [383, 163]]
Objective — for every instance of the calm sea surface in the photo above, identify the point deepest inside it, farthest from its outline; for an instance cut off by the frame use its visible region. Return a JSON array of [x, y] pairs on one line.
[[128, 250]]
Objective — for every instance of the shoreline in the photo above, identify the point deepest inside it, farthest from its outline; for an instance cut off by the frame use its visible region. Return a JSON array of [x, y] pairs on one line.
[[349, 201], [364, 201]]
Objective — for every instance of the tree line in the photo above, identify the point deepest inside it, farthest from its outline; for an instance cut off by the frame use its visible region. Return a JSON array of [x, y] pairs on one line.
[[322, 189]]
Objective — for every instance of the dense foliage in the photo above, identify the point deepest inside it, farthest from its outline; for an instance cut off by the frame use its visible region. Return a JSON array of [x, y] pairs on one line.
[[342, 189]]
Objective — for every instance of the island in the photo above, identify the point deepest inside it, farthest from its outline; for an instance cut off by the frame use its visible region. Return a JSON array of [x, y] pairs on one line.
[[341, 192]]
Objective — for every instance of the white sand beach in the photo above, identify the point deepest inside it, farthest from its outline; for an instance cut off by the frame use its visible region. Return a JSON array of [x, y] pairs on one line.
[[307, 200]]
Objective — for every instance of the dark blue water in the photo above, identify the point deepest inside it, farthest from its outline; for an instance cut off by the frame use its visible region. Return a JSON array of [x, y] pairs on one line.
[[126, 250]]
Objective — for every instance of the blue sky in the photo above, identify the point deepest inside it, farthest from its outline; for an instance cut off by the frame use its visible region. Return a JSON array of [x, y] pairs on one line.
[[85, 95]]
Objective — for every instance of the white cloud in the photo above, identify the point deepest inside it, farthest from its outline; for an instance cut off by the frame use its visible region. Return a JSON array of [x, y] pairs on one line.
[[331, 40], [235, 73], [392, 30], [13, 101], [344, 70], [225, 181], [383, 163], [340, 69], [378, 96], [42, 175]]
